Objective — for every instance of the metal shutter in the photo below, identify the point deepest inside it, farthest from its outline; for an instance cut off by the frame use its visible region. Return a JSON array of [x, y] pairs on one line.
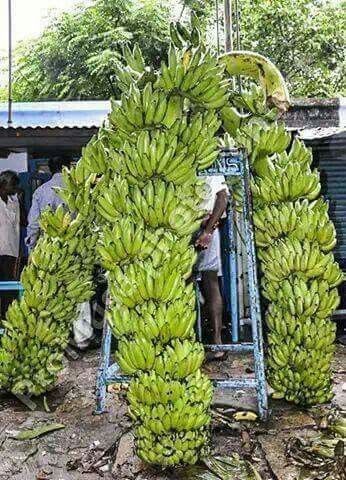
[[330, 159]]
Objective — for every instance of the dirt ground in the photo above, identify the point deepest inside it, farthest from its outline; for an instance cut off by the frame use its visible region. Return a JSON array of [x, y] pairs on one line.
[[93, 447]]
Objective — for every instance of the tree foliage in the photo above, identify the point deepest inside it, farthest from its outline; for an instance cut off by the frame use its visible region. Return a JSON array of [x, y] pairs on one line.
[[305, 39], [75, 57]]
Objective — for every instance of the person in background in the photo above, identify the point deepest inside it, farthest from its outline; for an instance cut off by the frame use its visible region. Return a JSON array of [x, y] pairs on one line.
[[46, 196], [208, 263], [11, 218]]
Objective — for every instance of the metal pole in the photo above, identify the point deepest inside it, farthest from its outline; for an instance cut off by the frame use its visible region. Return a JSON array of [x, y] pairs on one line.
[[232, 290], [228, 26], [237, 24], [217, 27], [237, 29], [229, 30], [255, 311], [9, 119]]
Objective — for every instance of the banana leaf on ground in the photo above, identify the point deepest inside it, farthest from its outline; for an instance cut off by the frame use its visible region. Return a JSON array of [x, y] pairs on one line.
[[222, 468], [321, 457]]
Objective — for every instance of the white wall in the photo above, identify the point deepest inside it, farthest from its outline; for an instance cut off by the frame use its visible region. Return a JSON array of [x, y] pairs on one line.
[[17, 161]]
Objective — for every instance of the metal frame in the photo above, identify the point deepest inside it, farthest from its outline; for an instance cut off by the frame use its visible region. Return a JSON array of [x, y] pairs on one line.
[[230, 163]]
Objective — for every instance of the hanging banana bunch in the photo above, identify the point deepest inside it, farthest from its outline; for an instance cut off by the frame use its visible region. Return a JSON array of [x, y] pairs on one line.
[[295, 238], [57, 279], [162, 133]]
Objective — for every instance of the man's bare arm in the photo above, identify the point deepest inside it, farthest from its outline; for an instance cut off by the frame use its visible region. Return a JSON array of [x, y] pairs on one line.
[[218, 210]]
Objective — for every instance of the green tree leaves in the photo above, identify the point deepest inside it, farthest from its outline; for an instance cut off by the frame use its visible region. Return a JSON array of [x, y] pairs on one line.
[[304, 39], [76, 56]]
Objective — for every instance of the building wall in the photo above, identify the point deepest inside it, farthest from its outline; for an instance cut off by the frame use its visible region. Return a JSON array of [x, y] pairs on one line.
[[17, 161]]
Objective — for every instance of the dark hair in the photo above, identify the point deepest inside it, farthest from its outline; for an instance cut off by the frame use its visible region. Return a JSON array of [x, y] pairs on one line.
[[7, 177], [57, 163]]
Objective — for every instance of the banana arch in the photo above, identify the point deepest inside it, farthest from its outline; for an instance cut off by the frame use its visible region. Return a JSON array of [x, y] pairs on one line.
[[137, 194]]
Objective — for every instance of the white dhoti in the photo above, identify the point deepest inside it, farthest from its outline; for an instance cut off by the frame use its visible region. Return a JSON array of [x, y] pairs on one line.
[[82, 327]]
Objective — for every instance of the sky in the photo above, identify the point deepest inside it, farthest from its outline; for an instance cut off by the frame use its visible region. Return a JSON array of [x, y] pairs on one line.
[[29, 17]]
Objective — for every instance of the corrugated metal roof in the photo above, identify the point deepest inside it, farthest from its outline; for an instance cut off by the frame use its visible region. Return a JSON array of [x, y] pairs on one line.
[[92, 113], [74, 114]]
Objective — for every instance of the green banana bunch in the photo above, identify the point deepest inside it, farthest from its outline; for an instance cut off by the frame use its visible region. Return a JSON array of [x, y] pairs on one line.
[[153, 322], [60, 223], [180, 416], [180, 359], [176, 361], [295, 238], [123, 242], [293, 256], [253, 102], [125, 77], [150, 389], [261, 141], [57, 279], [173, 153], [173, 448], [180, 35], [78, 193], [161, 204], [37, 326], [34, 369], [137, 283], [287, 184], [300, 219], [134, 58], [197, 74], [113, 200], [298, 154], [301, 297], [147, 203], [144, 109], [135, 72], [96, 157]]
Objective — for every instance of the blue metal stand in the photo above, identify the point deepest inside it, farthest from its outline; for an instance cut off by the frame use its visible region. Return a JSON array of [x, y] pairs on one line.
[[231, 163]]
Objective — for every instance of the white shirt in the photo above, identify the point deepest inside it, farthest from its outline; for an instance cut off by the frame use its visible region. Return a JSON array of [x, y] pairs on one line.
[[9, 226], [214, 185]]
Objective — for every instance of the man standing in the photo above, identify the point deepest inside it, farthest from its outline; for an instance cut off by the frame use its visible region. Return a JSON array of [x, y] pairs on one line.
[[45, 196], [10, 219], [209, 259]]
